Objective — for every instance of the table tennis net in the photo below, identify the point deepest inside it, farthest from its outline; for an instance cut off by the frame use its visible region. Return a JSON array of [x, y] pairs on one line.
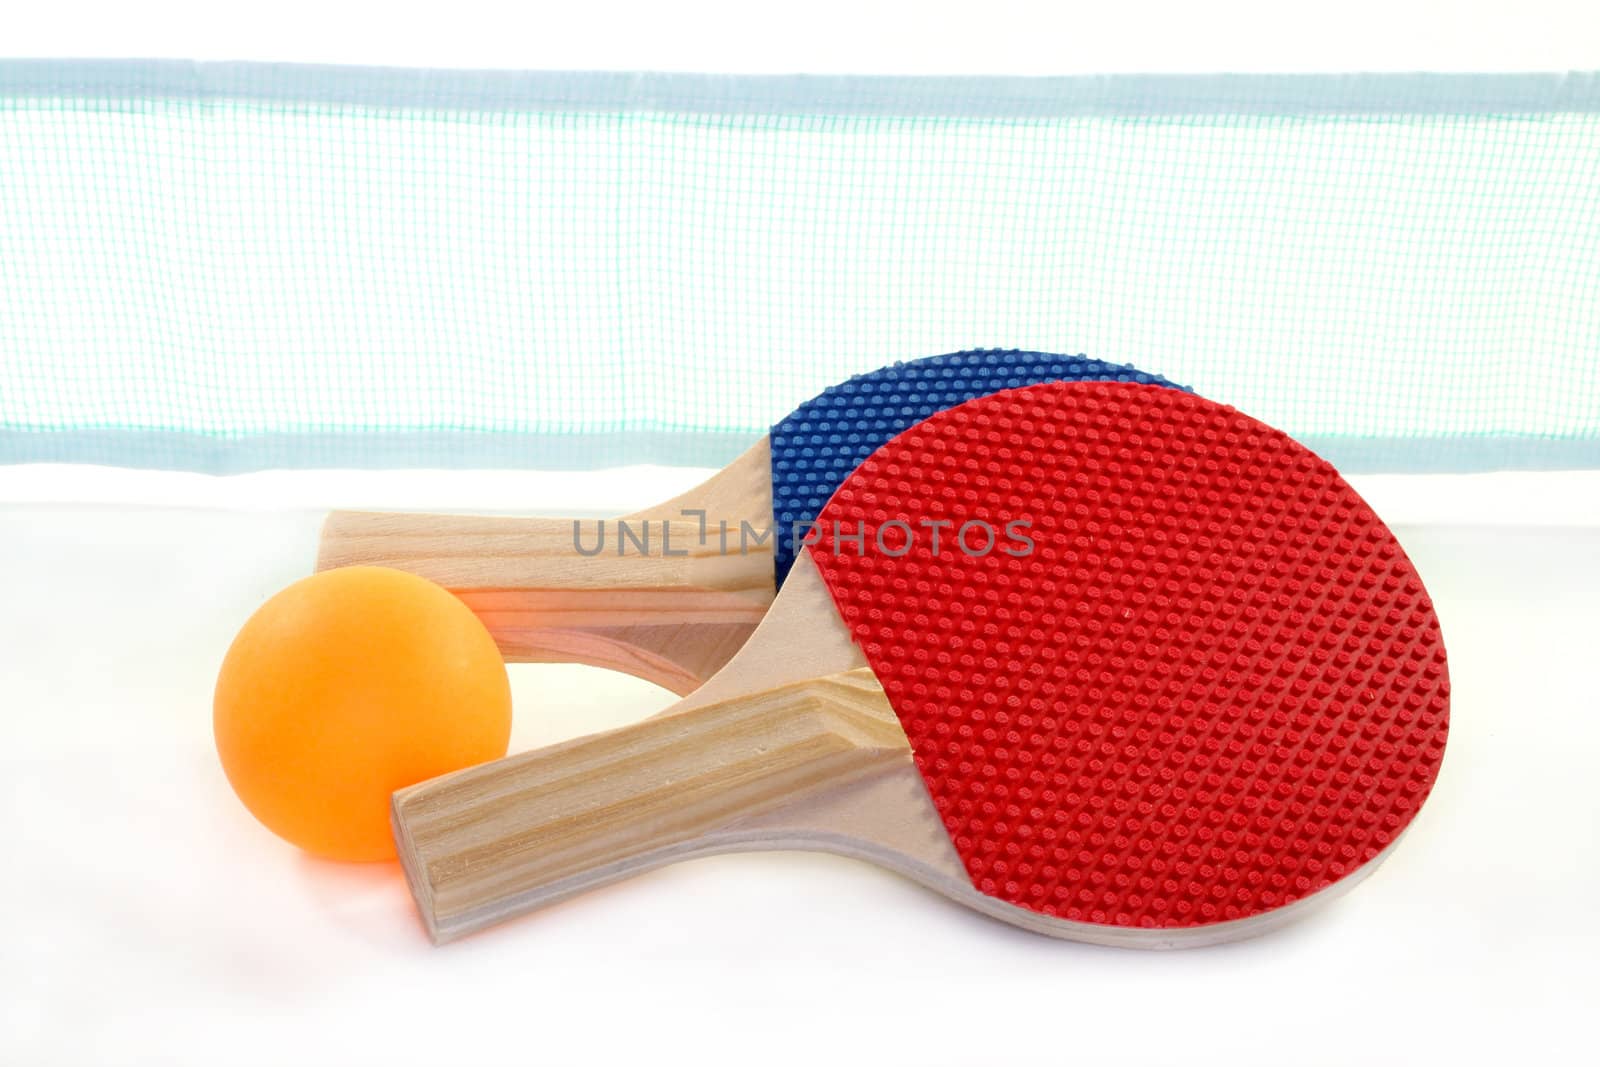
[[230, 267]]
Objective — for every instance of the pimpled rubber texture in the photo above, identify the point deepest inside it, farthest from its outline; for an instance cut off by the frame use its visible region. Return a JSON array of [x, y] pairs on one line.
[[1216, 684], [816, 447]]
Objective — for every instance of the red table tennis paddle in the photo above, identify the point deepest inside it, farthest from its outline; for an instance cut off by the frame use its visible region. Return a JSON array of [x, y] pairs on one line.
[[1209, 692]]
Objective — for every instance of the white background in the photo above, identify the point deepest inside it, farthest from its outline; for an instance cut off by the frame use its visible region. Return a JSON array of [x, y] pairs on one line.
[[832, 36], [152, 921]]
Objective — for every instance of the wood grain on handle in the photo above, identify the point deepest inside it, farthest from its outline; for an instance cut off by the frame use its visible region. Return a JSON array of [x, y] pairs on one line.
[[671, 609], [494, 841], [500, 553]]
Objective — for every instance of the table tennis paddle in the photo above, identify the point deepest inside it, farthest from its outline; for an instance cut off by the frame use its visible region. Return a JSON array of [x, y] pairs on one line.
[[675, 619], [1210, 693]]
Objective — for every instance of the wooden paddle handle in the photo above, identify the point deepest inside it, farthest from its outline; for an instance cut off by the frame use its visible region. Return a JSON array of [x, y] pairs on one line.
[[498, 840], [468, 552], [655, 597]]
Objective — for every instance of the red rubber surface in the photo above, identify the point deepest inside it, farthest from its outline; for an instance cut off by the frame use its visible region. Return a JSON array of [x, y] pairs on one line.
[[1216, 685]]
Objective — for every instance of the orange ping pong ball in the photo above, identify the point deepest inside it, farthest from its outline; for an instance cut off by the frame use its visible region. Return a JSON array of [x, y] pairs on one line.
[[349, 685]]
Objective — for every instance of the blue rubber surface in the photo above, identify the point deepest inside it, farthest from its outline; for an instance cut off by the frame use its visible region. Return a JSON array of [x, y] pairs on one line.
[[817, 446]]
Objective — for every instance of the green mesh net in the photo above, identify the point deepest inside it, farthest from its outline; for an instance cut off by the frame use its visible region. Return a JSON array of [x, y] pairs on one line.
[[223, 267]]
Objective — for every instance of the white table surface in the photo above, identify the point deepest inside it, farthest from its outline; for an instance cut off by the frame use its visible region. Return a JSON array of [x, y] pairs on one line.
[[153, 921]]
